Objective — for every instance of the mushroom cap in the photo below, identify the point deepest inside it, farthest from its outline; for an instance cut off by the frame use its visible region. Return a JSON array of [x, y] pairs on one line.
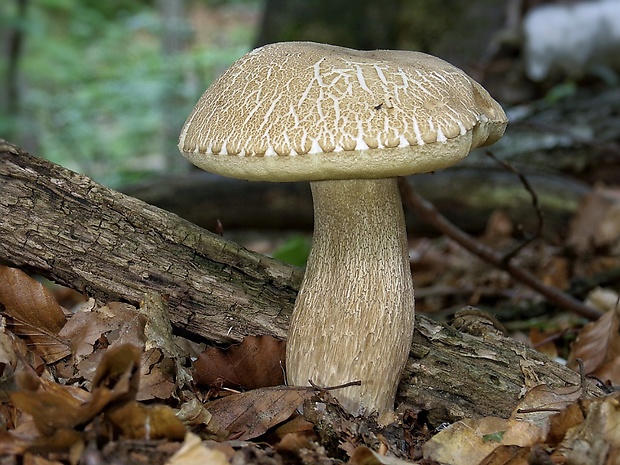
[[303, 111]]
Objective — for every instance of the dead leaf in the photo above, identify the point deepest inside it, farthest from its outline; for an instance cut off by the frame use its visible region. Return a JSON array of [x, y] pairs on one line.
[[34, 314], [116, 322], [55, 408], [52, 406], [31, 459], [113, 324], [292, 442], [362, 455], [609, 373], [119, 373], [540, 341], [138, 421], [255, 363], [157, 376], [297, 425], [471, 440], [61, 440], [8, 358], [561, 422], [597, 439], [508, 455], [597, 222], [249, 414], [597, 345], [193, 452], [542, 402]]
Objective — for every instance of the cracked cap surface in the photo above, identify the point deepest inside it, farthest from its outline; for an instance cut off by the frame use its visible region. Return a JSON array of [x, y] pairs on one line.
[[296, 111]]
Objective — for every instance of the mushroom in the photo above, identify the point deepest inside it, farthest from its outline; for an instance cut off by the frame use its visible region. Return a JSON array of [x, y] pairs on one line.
[[349, 122]]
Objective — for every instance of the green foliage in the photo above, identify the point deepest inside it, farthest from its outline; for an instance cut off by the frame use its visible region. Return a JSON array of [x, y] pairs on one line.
[[494, 437], [561, 92], [294, 251], [98, 95]]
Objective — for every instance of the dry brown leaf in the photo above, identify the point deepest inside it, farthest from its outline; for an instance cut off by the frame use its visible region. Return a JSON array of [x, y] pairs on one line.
[[15, 359], [297, 425], [52, 406], [193, 452], [471, 440], [597, 344], [114, 324], [8, 357], [609, 373], [596, 222], [117, 322], [156, 376], [31, 459], [537, 339], [597, 439], [61, 440], [542, 402], [138, 421], [508, 455], [255, 363], [362, 455], [11, 445], [24, 296], [55, 408], [35, 315], [249, 414], [291, 443], [561, 422], [119, 373]]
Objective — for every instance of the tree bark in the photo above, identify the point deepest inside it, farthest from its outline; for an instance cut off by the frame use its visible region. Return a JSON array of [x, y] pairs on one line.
[[66, 227], [451, 374]]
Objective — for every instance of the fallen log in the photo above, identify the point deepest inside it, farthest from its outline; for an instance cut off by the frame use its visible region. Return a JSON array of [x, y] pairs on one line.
[[64, 226]]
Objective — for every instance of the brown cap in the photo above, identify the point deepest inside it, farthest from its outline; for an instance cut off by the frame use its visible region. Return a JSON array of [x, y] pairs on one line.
[[296, 111]]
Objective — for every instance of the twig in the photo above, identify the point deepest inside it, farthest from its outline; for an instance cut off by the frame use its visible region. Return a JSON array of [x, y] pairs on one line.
[[331, 388], [535, 204], [431, 215], [582, 377]]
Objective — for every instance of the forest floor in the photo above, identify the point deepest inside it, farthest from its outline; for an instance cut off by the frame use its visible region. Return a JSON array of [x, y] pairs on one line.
[[106, 382]]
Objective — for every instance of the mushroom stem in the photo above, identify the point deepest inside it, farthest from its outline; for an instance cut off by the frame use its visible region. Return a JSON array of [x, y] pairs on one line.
[[354, 314]]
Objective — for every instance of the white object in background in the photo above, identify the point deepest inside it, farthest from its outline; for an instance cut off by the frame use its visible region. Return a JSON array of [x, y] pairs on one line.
[[573, 39]]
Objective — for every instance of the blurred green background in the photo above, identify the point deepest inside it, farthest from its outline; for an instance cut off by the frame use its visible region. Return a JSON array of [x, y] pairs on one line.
[[103, 87]]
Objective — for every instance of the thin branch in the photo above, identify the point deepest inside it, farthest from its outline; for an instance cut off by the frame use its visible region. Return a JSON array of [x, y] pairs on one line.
[[431, 215], [535, 204]]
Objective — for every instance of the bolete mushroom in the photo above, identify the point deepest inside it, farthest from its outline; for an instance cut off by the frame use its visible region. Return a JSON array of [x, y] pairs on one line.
[[350, 122]]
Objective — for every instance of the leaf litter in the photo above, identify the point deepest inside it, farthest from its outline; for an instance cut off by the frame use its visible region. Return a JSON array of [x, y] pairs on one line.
[[126, 377], [110, 381]]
